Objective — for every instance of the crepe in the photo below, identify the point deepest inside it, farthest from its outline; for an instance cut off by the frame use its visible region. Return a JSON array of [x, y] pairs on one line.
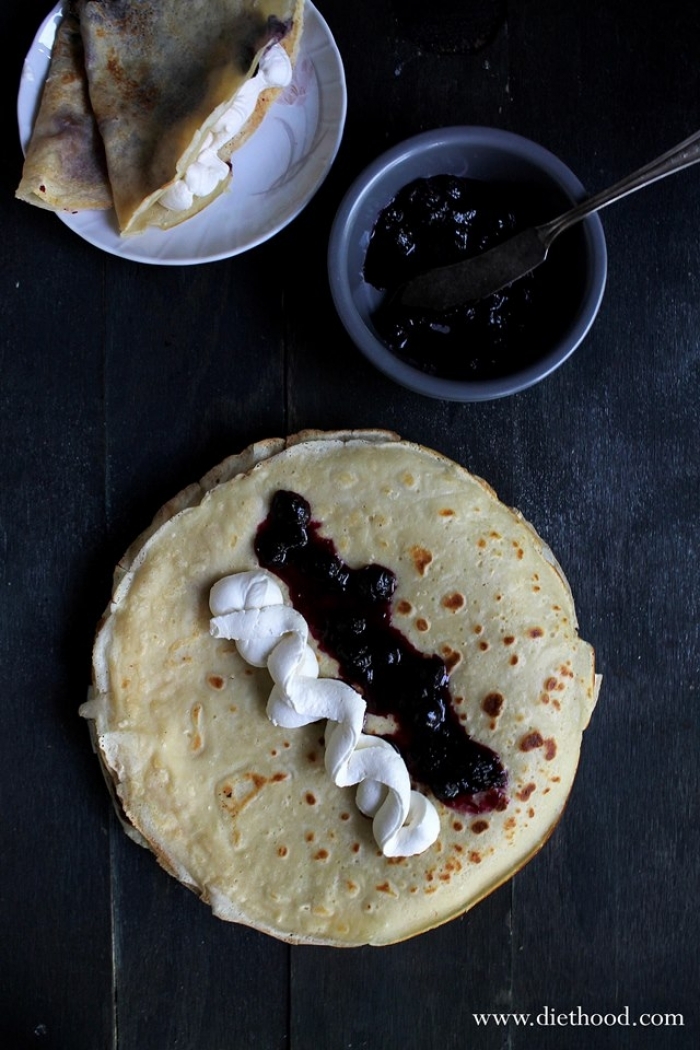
[[242, 811], [65, 167], [160, 74]]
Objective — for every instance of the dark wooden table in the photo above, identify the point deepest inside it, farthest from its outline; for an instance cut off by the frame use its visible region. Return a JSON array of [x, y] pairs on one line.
[[122, 382]]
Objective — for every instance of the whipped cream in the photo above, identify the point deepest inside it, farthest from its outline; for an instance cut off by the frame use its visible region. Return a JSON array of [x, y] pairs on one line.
[[249, 608], [207, 170]]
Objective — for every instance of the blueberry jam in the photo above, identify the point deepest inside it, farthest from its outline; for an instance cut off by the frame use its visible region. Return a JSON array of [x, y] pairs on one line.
[[443, 219], [349, 614]]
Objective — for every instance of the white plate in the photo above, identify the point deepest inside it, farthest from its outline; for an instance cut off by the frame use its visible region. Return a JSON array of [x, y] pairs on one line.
[[275, 174]]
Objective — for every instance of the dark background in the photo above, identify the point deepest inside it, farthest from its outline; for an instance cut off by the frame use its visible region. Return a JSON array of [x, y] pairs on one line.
[[120, 383]]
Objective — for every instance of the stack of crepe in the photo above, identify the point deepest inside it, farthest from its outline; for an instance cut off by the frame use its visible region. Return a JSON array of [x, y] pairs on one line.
[[240, 809], [133, 91]]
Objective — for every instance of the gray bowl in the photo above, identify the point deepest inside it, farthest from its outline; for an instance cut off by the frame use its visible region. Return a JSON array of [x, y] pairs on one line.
[[487, 154]]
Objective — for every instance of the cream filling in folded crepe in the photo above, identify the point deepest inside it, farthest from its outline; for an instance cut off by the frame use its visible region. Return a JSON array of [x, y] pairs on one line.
[[207, 170]]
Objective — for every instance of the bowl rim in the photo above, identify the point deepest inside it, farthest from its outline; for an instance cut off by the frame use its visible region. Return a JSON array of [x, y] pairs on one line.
[[379, 170]]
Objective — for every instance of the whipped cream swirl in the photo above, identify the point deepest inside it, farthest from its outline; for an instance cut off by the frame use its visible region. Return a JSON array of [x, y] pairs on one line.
[[249, 608]]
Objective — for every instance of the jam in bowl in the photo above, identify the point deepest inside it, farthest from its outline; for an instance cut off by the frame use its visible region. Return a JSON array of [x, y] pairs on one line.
[[436, 199]]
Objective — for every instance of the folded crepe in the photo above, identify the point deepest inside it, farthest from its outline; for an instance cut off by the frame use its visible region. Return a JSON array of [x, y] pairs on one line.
[[240, 807], [65, 167], [174, 86]]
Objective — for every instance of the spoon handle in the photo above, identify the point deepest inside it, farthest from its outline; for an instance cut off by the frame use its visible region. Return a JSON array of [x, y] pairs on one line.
[[675, 159]]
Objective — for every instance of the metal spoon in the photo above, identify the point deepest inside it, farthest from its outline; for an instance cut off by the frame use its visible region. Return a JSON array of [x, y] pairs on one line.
[[449, 286]]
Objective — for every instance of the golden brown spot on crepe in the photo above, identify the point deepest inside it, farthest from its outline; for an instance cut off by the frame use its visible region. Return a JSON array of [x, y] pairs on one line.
[[479, 826], [483, 646], [196, 716], [321, 854], [345, 816], [421, 559], [310, 798], [355, 847], [475, 857], [451, 657], [422, 624], [536, 632], [481, 543], [492, 704], [555, 780], [248, 672], [282, 851], [509, 639], [510, 823], [277, 778], [408, 480], [550, 748], [544, 698], [478, 629], [526, 792], [352, 887], [274, 752], [446, 512], [404, 607], [453, 601], [458, 825], [125, 683], [514, 659], [536, 588], [216, 681], [309, 836], [312, 756], [531, 741], [236, 794], [530, 812]]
